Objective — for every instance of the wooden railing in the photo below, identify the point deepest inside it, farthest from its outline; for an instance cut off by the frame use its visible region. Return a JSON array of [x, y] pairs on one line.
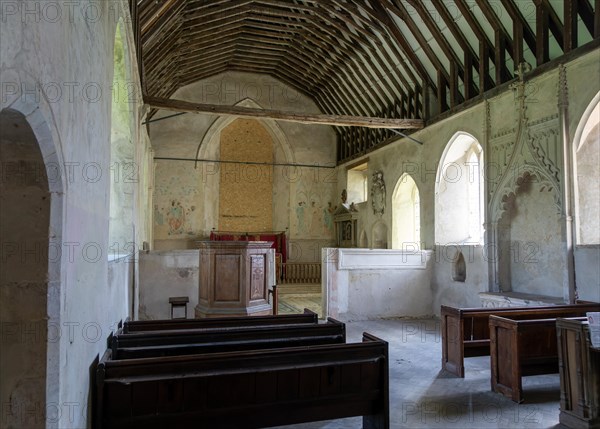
[[300, 272]]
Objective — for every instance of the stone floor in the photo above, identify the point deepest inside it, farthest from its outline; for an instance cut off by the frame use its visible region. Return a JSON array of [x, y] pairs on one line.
[[423, 397]]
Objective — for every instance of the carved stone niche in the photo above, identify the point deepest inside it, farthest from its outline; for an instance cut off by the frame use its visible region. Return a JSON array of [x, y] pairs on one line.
[[378, 193], [345, 219]]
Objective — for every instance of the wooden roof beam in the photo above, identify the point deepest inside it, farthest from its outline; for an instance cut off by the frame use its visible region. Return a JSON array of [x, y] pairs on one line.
[[382, 13], [501, 40], [556, 26], [333, 120], [471, 59], [457, 68], [521, 31]]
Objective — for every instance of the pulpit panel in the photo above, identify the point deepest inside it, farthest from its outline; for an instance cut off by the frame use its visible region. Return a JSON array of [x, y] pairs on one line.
[[227, 278]]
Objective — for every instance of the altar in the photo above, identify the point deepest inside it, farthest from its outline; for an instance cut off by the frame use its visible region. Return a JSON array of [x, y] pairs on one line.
[[234, 278]]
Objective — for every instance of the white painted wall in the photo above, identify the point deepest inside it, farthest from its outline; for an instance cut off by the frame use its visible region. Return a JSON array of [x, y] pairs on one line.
[[496, 135], [587, 268], [362, 284], [167, 273], [57, 70]]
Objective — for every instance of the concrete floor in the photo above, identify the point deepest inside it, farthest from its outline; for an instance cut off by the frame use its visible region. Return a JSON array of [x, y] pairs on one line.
[[421, 396]]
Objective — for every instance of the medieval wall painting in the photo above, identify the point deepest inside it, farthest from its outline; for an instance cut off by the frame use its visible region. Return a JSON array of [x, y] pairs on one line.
[[312, 208]]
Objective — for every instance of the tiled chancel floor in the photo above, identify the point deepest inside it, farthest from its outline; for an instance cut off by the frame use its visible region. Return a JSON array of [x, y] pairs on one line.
[[421, 396], [296, 303]]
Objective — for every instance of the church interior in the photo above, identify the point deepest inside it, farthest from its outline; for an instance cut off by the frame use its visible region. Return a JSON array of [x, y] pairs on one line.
[[423, 177]]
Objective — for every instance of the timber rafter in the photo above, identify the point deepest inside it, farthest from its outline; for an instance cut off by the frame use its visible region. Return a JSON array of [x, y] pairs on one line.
[[398, 59]]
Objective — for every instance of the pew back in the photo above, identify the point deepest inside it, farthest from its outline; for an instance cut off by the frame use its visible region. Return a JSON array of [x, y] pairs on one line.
[[247, 389], [148, 344], [465, 331], [520, 348], [219, 322], [579, 367]]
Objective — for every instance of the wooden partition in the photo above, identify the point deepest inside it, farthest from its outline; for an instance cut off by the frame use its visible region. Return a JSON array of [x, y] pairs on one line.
[[520, 348], [579, 366], [466, 333]]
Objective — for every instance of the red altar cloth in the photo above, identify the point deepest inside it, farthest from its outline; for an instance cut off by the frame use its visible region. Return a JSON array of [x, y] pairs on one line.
[[277, 239]]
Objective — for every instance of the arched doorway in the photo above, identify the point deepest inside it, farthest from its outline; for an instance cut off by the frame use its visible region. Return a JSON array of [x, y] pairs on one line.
[[25, 207]]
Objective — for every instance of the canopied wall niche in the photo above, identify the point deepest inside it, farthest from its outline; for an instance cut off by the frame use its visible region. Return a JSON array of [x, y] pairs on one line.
[[531, 255]]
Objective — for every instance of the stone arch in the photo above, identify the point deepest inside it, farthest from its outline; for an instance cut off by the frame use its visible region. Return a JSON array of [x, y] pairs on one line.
[[363, 241], [459, 267], [459, 192], [212, 134], [586, 150], [33, 111], [208, 148], [406, 214], [508, 189]]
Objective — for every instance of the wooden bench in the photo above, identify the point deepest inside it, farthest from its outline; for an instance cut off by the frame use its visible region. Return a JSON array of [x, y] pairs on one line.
[[465, 331], [219, 322], [520, 348], [579, 368], [249, 389], [217, 340]]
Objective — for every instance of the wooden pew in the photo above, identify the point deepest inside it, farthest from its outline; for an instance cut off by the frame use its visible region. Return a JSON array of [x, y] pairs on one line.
[[247, 389], [579, 368], [465, 331], [219, 322], [519, 348], [173, 343]]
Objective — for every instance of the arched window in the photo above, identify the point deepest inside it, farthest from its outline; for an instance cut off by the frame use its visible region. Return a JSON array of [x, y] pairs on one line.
[[459, 201], [587, 176], [123, 174], [406, 215]]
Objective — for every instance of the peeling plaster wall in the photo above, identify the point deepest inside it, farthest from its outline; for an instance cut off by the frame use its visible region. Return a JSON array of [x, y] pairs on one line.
[[497, 136], [166, 273], [24, 220], [534, 250], [58, 72], [303, 198]]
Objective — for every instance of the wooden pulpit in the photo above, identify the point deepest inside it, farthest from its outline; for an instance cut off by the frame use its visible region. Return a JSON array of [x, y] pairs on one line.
[[235, 277]]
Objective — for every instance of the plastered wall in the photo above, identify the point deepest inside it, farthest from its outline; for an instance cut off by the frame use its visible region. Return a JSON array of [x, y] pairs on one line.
[[24, 220], [57, 70], [187, 194], [495, 125]]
